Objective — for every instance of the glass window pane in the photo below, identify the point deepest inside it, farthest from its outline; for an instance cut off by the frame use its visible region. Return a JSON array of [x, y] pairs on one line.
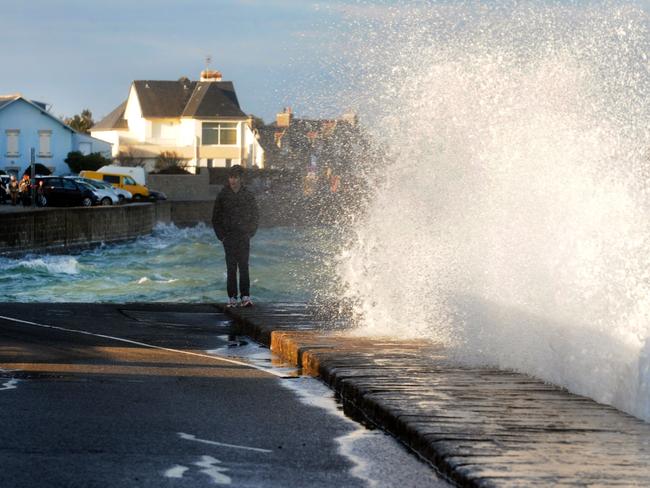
[[112, 179], [228, 136], [69, 185], [210, 134]]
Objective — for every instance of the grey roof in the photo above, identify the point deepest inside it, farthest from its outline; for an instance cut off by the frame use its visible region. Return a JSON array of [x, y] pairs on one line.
[[114, 120], [267, 138], [175, 99], [213, 99], [42, 107], [163, 98], [7, 99]]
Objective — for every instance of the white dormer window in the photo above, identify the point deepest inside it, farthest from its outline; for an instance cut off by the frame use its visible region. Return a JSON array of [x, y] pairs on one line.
[[219, 133], [44, 143], [12, 136]]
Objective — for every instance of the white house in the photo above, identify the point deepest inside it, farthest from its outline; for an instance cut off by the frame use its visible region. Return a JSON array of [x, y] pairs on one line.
[[26, 125], [200, 121]]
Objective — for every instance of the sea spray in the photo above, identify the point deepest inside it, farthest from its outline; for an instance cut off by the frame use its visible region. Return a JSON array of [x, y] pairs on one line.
[[513, 223]]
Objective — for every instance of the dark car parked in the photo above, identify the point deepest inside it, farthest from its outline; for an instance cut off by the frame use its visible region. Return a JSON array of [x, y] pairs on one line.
[[4, 184], [65, 192]]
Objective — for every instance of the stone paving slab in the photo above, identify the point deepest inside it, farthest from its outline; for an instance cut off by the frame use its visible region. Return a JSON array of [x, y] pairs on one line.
[[478, 427]]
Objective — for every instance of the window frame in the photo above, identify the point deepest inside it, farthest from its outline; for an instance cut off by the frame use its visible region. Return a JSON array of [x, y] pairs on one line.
[[47, 134], [218, 128], [12, 133]]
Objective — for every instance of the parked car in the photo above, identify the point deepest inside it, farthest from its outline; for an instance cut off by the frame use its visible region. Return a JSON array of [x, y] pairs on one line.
[[122, 195], [106, 194], [66, 192], [126, 182], [4, 184], [157, 195]]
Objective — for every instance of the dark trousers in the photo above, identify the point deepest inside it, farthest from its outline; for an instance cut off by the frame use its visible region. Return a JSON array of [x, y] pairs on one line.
[[237, 250]]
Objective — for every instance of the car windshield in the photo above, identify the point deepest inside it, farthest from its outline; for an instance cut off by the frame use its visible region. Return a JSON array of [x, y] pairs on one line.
[[129, 181], [94, 184]]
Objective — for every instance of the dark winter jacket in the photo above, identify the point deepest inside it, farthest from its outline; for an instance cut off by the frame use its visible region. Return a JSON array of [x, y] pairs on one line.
[[235, 214]]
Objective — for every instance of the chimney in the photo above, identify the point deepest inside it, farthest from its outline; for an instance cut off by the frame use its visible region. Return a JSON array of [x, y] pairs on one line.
[[210, 75], [351, 118], [284, 119]]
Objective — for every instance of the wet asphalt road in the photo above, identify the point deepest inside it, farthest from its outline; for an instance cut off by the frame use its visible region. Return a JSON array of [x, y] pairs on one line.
[[82, 410]]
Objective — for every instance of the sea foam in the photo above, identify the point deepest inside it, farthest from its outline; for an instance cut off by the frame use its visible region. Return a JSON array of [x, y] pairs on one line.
[[512, 224]]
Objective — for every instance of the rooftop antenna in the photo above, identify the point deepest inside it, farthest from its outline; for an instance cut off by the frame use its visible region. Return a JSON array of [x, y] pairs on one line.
[[208, 60]]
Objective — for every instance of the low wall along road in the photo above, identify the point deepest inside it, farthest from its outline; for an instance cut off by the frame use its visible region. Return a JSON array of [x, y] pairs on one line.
[[61, 229], [29, 229]]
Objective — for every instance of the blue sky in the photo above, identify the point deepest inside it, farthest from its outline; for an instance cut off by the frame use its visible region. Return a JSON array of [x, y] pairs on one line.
[[76, 54]]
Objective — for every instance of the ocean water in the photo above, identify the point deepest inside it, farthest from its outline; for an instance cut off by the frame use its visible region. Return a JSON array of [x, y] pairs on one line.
[[173, 265], [514, 209]]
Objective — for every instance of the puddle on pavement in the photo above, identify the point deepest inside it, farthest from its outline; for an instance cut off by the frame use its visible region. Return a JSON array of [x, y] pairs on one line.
[[367, 450], [249, 351]]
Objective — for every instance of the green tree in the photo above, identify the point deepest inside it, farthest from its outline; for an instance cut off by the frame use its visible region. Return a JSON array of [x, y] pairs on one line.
[[91, 162], [81, 122]]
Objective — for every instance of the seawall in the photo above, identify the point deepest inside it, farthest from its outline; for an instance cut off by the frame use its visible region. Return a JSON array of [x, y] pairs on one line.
[[24, 230], [58, 229], [64, 229]]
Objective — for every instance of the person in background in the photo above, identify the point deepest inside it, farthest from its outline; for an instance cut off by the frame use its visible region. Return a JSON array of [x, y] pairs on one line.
[[25, 189], [41, 200], [235, 220], [14, 190]]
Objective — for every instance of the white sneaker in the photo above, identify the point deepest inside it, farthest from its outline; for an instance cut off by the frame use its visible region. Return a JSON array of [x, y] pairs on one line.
[[246, 302], [232, 302]]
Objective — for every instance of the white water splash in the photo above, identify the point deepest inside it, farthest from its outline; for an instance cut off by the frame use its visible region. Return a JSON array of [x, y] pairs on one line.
[[10, 384], [156, 280], [50, 264], [513, 225]]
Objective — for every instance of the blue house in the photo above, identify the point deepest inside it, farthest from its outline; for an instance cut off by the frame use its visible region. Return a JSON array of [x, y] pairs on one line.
[[27, 124]]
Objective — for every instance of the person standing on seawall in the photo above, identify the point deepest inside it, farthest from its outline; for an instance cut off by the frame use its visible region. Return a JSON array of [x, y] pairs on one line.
[[235, 219]]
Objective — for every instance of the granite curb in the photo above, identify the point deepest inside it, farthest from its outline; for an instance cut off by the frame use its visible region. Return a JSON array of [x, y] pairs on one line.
[[478, 427]]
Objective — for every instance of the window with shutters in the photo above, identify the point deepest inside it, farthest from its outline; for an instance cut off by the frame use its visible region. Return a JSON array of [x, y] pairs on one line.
[[44, 141], [12, 143]]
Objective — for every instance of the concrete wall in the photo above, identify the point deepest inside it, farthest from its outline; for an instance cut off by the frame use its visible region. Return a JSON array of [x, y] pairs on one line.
[[185, 214], [184, 187], [52, 229], [65, 229]]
